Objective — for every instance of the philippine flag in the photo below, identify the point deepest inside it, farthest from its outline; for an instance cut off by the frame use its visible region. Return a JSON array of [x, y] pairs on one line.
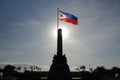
[[67, 17]]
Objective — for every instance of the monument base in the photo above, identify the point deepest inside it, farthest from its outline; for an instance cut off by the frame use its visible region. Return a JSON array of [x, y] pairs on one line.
[[59, 69]]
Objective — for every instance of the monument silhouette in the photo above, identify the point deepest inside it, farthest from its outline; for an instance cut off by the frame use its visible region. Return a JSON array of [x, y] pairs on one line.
[[59, 69]]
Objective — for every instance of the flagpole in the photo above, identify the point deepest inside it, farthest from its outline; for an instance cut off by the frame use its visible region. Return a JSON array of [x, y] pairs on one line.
[[57, 26], [57, 18]]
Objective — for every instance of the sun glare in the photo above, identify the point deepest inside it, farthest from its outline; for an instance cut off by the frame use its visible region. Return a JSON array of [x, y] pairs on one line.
[[64, 32]]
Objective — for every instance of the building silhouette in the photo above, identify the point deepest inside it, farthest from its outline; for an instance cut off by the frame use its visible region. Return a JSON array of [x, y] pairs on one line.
[[59, 69]]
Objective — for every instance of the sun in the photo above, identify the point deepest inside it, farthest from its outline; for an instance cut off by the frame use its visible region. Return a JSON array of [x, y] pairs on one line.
[[64, 32]]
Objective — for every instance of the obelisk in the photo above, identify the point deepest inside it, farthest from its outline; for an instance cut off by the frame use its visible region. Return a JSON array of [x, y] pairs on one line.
[[59, 69], [59, 43]]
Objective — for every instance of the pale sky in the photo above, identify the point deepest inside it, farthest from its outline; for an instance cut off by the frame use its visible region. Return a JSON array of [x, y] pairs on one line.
[[27, 32]]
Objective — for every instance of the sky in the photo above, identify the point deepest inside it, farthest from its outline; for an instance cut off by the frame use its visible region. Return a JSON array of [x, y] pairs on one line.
[[27, 32]]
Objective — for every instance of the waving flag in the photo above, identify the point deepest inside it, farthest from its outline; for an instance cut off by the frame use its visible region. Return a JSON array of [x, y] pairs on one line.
[[67, 17]]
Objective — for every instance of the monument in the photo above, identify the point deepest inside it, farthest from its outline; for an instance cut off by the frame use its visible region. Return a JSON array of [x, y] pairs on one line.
[[59, 69]]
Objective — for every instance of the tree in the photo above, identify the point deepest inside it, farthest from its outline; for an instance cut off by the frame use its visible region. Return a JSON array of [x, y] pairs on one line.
[[99, 72], [82, 68], [8, 70], [115, 71]]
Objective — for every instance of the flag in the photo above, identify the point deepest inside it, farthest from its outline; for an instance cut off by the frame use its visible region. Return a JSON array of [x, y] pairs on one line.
[[67, 17]]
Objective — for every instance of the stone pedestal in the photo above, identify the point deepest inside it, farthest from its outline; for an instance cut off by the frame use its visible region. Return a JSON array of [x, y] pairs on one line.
[[59, 69]]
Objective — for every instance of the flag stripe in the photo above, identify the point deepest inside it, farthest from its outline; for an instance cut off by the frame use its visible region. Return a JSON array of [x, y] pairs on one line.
[[70, 20], [69, 15], [66, 17]]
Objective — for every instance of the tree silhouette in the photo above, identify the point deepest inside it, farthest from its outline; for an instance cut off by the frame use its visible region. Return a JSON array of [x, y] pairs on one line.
[[18, 68], [99, 72], [115, 72], [9, 70], [82, 68]]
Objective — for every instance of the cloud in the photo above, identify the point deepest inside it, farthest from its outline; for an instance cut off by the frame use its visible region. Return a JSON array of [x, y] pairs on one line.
[[27, 23]]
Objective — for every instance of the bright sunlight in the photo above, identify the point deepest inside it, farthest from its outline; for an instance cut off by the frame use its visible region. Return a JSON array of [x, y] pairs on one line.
[[64, 32]]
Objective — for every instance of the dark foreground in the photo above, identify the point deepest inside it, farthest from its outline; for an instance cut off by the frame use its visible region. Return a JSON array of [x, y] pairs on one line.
[[100, 73]]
